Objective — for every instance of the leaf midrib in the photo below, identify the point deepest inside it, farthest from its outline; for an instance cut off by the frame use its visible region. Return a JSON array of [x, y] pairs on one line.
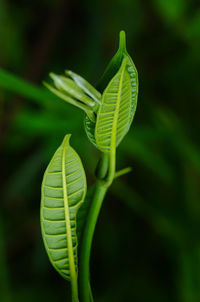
[[116, 112], [72, 268]]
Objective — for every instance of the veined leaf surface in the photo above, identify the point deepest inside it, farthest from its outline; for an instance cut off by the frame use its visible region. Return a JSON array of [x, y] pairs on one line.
[[90, 129], [111, 71], [63, 192], [115, 112]]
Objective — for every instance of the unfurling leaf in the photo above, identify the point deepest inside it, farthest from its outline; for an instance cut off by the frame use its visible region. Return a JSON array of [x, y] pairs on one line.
[[63, 192], [85, 85], [75, 90]]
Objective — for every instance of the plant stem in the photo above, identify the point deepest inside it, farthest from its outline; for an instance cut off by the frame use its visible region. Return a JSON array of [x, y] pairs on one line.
[[102, 185], [74, 287], [102, 167], [111, 167], [85, 248]]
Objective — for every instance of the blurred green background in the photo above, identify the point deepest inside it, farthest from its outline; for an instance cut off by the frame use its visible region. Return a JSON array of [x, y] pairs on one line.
[[147, 242]]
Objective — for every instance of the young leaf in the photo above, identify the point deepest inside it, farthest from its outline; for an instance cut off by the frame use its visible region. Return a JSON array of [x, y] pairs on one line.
[[67, 98], [70, 87], [85, 85], [63, 192], [113, 68], [113, 119], [110, 72]]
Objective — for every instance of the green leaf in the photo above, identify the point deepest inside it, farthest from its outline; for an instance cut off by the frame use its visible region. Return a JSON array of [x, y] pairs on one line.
[[115, 114], [85, 85], [63, 192], [113, 68], [110, 72], [76, 91], [67, 98], [70, 87]]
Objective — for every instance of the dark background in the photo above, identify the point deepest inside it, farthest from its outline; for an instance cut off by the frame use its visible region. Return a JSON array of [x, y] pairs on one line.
[[147, 241]]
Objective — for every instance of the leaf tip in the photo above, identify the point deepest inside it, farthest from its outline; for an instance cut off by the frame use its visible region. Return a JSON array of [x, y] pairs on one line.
[[122, 40], [67, 138], [56, 78], [51, 74], [68, 72]]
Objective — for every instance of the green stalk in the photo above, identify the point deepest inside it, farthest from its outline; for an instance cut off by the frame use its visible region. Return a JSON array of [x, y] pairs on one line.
[[84, 274], [101, 188], [74, 287]]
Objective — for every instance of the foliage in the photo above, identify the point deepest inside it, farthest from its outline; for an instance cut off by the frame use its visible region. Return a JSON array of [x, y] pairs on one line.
[[152, 214], [64, 185]]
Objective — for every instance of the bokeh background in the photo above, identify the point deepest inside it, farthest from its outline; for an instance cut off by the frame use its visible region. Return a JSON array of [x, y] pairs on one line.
[[147, 241]]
